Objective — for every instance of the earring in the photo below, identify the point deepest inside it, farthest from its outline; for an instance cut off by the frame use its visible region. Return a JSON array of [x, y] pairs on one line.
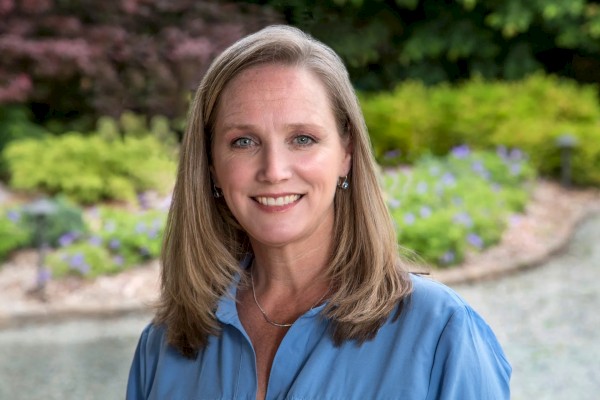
[[344, 184], [217, 193]]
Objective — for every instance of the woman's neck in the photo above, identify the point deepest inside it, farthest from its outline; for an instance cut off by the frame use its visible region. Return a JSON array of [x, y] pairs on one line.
[[283, 270]]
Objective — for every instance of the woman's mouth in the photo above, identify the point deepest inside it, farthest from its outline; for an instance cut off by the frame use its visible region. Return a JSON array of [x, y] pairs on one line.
[[277, 201]]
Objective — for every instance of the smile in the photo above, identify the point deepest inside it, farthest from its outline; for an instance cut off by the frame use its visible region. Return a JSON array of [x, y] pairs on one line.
[[277, 201]]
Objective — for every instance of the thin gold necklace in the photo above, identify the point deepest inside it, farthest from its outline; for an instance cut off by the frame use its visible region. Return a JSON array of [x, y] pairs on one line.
[[266, 317]]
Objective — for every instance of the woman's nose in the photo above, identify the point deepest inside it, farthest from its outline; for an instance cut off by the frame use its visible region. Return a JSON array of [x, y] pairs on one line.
[[275, 164]]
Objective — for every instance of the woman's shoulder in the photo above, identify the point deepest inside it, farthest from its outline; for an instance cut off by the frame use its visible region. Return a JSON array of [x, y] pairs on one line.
[[153, 335], [430, 294]]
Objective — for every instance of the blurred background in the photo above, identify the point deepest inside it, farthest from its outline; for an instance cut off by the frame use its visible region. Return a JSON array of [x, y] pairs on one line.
[[483, 114]]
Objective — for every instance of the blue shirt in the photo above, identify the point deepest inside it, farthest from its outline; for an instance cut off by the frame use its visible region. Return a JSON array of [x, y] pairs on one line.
[[439, 348]]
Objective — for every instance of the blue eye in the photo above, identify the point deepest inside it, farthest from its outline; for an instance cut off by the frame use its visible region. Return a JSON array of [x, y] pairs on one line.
[[304, 140], [242, 142]]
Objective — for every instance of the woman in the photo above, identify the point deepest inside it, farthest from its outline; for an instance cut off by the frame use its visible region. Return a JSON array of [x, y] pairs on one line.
[[280, 276]]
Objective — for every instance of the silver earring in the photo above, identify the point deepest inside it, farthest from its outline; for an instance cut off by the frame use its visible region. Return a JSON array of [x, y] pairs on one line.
[[217, 193], [344, 184]]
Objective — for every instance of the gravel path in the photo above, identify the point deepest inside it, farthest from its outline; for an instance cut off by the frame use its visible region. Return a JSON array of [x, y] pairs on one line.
[[547, 320]]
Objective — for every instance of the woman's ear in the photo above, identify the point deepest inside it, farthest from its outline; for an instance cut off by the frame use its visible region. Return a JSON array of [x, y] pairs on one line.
[[347, 160], [213, 176]]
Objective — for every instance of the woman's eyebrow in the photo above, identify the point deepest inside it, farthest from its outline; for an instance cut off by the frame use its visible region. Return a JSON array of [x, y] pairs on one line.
[[234, 126], [301, 126]]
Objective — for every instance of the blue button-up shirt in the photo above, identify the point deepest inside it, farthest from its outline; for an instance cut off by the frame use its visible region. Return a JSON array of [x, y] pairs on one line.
[[439, 348]]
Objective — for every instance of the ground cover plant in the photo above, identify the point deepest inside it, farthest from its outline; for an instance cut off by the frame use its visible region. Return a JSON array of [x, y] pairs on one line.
[[13, 233], [118, 239], [20, 228], [444, 207]]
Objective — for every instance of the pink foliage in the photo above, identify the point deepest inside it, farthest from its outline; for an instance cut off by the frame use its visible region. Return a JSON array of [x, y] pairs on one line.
[[16, 90], [114, 55]]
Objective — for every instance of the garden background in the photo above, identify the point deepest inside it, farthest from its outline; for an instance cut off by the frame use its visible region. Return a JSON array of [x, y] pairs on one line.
[[471, 106]]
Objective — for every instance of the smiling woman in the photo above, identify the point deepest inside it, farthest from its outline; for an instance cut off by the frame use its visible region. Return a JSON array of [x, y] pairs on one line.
[[281, 276]]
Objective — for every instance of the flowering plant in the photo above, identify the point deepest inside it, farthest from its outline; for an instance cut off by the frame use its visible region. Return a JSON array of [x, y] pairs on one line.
[[118, 239], [13, 233], [446, 206]]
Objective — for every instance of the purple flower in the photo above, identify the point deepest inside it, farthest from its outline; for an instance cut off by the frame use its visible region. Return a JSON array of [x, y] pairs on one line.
[[409, 219], [43, 276], [114, 244], [13, 216], [422, 187], [475, 240], [425, 211], [153, 233], [144, 252], [515, 169], [394, 203], [143, 201], [77, 260], [478, 167], [448, 257], [463, 218], [461, 151], [165, 203], [84, 268], [118, 260], [502, 152], [516, 154], [392, 154], [67, 239], [95, 240], [140, 227], [448, 179], [514, 220]]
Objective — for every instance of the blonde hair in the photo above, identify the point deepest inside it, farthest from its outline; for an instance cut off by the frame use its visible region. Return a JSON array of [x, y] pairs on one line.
[[204, 245]]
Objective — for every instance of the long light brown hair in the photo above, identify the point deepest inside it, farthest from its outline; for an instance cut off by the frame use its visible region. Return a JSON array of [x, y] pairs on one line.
[[204, 245]]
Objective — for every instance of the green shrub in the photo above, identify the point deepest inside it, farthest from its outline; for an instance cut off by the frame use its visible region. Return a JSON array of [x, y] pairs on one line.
[[14, 233], [415, 120], [66, 220], [90, 169], [443, 207], [130, 125], [15, 124]]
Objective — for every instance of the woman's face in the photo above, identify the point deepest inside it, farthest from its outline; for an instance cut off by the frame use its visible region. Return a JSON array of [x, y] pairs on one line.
[[277, 155]]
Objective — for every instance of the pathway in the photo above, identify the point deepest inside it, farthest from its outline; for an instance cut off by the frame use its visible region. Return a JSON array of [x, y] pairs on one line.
[[547, 320]]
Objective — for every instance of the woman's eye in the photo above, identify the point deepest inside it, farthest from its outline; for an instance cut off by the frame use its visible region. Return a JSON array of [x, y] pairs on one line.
[[243, 142], [303, 140]]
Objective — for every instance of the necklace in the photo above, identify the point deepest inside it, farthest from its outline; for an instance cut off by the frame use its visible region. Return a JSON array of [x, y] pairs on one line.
[[266, 317]]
